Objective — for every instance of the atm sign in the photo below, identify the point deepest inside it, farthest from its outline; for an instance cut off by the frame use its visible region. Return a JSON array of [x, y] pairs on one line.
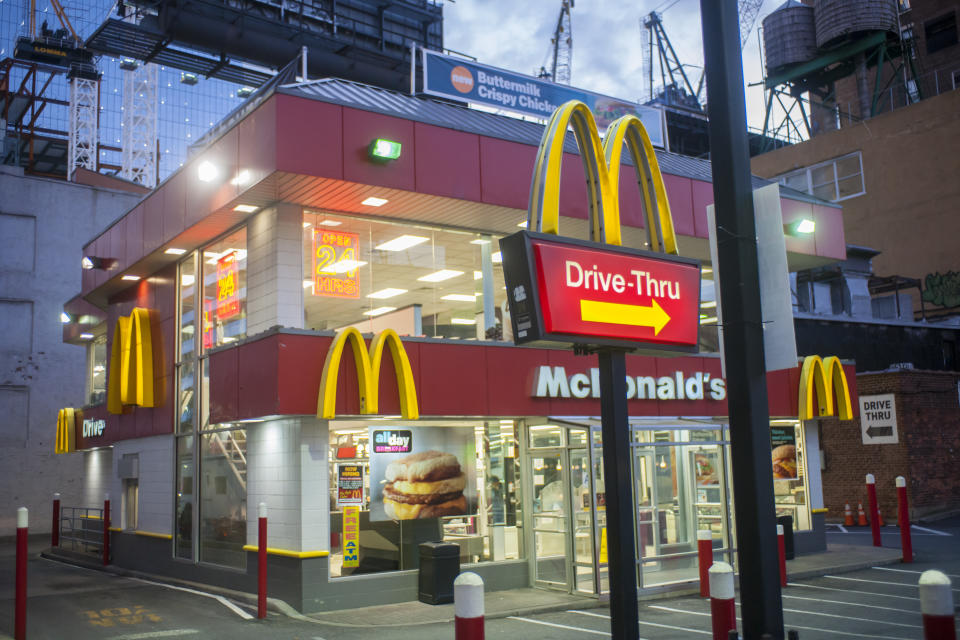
[[589, 293]]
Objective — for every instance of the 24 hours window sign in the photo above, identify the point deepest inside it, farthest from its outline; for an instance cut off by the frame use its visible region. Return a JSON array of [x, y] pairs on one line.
[[573, 291]]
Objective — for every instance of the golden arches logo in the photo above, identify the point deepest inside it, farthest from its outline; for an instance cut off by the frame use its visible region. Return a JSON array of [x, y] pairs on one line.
[[131, 376], [67, 419], [368, 373], [601, 165], [826, 378]]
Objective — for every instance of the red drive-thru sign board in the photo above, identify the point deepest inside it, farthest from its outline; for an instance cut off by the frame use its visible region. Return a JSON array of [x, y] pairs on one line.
[[571, 291]]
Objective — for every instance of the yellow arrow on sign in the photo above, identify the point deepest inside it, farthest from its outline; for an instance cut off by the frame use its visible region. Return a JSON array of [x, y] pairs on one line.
[[627, 314]]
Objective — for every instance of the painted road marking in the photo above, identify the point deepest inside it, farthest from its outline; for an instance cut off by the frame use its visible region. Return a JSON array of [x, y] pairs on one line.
[[833, 615], [851, 604], [135, 614], [792, 626], [933, 531], [887, 530], [229, 605], [892, 584], [562, 626], [172, 633], [867, 593], [949, 575], [650, 624]]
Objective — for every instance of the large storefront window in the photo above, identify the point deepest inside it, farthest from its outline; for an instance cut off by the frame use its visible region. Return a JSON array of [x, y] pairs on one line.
[[97, 370], [224, 290], [419, 280], [790, 487], [457, 482], [223, 497]]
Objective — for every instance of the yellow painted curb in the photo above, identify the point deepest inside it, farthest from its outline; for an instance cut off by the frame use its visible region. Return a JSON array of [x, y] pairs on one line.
[[289, 554]]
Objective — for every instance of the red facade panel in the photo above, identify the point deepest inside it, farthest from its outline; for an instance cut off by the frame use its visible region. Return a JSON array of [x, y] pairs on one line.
[[505, 171], [300, 360], [134, 233], [259, 377], [360, 128], [118, 244], [680, 195], [573, 188], [794, 211], [202, 198], [702, 196], [451, 382], [447, 162], [257, 146], [309, 137], [224, 385], [174, 204], [828, 234], [153, 213]]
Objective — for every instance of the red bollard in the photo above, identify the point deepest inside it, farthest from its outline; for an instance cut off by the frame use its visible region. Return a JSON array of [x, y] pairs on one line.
[[903, 519], [723, 607], [55, 531], [782, 552], [106, 529], [468, 607], [262, 560], [936, 605], [20, 599], [874, 509], [705, 560]]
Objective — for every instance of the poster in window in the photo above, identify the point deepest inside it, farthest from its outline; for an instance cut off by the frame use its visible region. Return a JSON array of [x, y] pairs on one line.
[[336, 264], [349, 485], [208, 324], [228, 286], [422, 472], [784, 443], [706, 468]]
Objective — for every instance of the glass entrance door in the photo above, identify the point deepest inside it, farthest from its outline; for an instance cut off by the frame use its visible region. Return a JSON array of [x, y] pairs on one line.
[[551, 508]]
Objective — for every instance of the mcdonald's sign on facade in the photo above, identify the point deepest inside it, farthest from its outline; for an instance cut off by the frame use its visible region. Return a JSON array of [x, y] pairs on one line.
[[599, 292], [131, 377], [368, 373], [826, 379], [67, 419]]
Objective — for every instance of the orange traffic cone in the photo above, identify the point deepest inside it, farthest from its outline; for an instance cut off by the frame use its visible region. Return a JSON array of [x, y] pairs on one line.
[[880, 518], [847, 515], [861, 516]]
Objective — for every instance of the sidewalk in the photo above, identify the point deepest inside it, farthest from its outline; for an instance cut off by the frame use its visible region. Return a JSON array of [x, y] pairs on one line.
[[838, 558]]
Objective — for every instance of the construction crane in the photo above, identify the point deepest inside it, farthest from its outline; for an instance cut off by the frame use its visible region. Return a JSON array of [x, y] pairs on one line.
[[61, 47], [749, 10], [560, 53]]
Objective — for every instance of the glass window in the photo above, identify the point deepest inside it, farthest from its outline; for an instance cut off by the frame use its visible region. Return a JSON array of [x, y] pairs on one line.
[[97, 378], [186, 354], [419, 280], [790, 472], [225, 290], [223, 498], [490, 531], [183, 532], [833, 180]]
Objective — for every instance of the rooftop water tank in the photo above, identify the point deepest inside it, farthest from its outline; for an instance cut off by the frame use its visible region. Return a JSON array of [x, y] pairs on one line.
[[789, 35], [839, 20]]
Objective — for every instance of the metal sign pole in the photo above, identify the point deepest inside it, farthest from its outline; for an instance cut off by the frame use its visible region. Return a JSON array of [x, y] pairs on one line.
[[762, 608], [621, 549]]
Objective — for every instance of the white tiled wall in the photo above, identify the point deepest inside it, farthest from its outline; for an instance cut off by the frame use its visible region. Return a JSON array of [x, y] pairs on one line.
[[287, 469], [97, 466], [275, 269], [155, 483]]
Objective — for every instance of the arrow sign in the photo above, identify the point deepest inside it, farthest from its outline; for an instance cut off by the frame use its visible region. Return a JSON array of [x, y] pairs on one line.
[[633, 315], [879, 432]]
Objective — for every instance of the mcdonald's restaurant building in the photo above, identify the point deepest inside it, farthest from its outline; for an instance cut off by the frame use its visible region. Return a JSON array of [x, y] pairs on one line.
[[224, 370]]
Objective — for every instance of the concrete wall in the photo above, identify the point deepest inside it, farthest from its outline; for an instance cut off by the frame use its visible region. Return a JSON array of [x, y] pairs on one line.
[[910, 176], [43, 225], [156, 466], [275, 269]]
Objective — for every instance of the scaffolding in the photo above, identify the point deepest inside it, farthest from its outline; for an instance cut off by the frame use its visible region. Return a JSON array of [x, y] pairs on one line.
[[84, 124], [140, 153]]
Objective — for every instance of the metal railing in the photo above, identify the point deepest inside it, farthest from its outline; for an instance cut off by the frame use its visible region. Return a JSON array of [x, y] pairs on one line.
[[82, 529]]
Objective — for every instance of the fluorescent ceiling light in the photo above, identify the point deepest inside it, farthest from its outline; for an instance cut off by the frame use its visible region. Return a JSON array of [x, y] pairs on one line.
[[64, 318], [711, 320], [375, 202], [480, 241], [245, 208], [460, 297], [386, 293], [242, 178], [227, 339], [187, 280], [306, 225], [402, 243], [522, 225], [207, 171], [478, 275], [706, 271], [379, 311], [709, 304], [307, 284], [440, 276], [463, 321], [497, 257], [329, 223], [130, 277], [343, 266], [173, 251], [86, 336]]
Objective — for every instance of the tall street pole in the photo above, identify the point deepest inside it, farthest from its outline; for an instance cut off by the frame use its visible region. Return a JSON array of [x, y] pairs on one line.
[[762, 609]]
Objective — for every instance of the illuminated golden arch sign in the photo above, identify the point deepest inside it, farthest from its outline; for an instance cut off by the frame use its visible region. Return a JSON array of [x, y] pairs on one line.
[[599, 292], [131, 375], [368, 373], [826, 378], [66, 430], [601, 165]]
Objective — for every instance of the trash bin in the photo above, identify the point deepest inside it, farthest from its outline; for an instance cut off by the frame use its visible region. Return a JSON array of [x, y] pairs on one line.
[[439, 567], [787, 522]]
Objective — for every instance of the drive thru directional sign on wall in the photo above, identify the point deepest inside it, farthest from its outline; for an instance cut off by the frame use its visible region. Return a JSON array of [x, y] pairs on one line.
[[878, 419]]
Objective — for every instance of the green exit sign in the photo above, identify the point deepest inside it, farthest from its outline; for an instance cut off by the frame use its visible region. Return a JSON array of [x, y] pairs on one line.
[[383, 149]]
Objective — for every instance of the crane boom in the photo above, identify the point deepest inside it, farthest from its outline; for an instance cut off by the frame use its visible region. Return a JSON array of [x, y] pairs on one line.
[[748, 10], [561, 47]]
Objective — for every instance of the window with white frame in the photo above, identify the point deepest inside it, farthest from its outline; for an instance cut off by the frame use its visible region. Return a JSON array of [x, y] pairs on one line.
[[834, 180]]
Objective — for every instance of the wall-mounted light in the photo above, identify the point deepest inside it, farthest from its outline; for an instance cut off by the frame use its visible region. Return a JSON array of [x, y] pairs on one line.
[[174, 251], [130, 277], [207, 171], [663, 462], [128, 64], [383, 149], [189, 79], [245, 208], [244, 92], [86, 336], [801, 227], [64, 318], [93, 262]]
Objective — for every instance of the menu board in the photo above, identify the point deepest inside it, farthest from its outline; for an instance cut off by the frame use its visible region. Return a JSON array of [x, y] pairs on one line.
[[783, 441], [349, 485]]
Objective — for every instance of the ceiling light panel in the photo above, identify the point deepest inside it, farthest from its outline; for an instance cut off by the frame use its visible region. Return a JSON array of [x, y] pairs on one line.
[[402, 243]]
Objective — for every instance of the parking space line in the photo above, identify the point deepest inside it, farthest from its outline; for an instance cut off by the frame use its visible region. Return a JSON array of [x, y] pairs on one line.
[[833, 615], [867, 593], [933, 531], [171, 633], [852, 604], [892, 584], [949, 575], [229, 605], [651, 624], [791, 626], [562, 626]]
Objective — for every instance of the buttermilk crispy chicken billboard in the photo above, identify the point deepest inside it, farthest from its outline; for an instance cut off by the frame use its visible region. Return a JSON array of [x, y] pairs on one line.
[[422, 472]]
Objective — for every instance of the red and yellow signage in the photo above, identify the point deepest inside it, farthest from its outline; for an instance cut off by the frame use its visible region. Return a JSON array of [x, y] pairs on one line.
[[334, 264], [208, 324], [351, 536], [228, 286]]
